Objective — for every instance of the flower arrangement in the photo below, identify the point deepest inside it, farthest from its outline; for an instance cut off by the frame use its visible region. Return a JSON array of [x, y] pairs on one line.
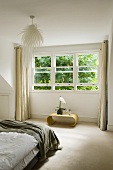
[[60, 109]]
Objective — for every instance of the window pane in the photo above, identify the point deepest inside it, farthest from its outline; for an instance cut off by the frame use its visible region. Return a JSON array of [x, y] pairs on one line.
[[64, 78], [43, 61], [64, 69], [42, 78], [87, 88], [64, 88], [87, 77], [88, 60], [42, 87], [64, 60], [87, 68], [42, 70]]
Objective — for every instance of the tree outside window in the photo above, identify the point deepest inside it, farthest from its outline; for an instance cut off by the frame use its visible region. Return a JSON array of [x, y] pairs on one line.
[[57, 72]]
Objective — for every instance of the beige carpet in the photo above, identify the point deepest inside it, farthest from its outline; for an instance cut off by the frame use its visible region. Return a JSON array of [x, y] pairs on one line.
[[85, 147]]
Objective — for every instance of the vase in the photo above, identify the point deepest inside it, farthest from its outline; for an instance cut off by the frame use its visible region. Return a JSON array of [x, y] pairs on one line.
[[60, 111]]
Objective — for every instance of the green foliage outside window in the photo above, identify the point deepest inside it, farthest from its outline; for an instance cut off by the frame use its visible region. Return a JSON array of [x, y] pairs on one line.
[[88, 60], [64, 60], [42, 70], [84, 77], [42, 87], [87, 88], [64, 71], [87, 72], [64, 78], [43, 61], [42, 78], [64, 88]]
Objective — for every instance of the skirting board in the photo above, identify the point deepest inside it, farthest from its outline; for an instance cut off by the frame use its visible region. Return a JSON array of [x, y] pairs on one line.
[[81, 119], [88, 119], [110, 127]]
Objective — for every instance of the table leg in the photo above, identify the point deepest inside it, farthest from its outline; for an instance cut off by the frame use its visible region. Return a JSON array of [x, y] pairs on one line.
[[75, 118], [50, 120]]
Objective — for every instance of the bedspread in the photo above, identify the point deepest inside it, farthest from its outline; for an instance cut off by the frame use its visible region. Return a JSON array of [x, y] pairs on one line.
[[14, 147], [45, 136]]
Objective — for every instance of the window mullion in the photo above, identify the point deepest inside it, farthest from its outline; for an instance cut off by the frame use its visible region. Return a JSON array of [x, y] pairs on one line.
[[75, 72], [53, 62]]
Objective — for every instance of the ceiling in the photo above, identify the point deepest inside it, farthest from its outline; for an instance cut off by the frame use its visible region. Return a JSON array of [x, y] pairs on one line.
[[60, 21]]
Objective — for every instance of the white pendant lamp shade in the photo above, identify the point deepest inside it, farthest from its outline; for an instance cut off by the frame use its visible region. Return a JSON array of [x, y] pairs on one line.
[[31, 36]]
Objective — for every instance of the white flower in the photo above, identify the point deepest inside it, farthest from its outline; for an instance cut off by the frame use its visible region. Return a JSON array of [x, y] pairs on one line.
[[62, 100]]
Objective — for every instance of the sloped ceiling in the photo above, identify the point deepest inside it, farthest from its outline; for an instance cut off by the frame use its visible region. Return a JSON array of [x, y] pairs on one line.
[[61, 21], [4, 86]]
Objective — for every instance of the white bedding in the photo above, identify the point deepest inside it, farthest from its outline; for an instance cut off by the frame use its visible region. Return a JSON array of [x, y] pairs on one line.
[[14, 147], [24, 162]]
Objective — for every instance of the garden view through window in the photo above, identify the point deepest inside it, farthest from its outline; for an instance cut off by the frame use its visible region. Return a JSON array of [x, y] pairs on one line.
[[77, 72]]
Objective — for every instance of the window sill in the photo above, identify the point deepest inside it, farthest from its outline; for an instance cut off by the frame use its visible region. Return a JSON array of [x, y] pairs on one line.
[[65, 91]]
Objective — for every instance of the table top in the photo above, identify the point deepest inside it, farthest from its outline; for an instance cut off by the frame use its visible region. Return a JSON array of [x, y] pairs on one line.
[[64, 115]]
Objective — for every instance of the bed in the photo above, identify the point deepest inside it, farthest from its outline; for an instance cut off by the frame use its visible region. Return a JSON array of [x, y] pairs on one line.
[[22, 144]]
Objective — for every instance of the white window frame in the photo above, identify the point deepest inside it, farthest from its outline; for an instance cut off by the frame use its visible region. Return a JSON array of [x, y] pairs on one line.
[[98, 71], [75, 72], [33, 72], [63, 84]]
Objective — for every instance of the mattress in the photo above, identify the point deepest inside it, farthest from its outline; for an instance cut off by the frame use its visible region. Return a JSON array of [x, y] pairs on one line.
[[16, 150], [24, 162]]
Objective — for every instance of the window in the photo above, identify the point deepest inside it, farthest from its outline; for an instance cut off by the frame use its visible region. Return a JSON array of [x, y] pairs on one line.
[[88, 70], [73, 71], [42, 73], [64, 72]]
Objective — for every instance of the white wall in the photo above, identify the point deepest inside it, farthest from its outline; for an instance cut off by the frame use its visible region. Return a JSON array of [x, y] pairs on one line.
[[110, 80], [7, 79], [7, 61], [110, 75], [84, 104]]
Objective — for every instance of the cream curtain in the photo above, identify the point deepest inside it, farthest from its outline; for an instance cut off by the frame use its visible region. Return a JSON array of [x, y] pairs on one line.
[[22, 87], [103, 107]]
